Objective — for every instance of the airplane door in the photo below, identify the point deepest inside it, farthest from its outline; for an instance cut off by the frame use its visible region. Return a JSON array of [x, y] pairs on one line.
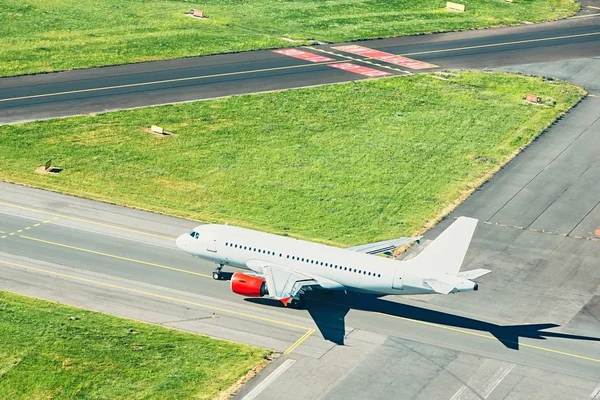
[[397, 283], [211, 245]]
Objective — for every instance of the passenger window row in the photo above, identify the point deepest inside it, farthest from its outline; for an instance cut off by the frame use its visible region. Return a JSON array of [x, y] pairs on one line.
[[302, 259]]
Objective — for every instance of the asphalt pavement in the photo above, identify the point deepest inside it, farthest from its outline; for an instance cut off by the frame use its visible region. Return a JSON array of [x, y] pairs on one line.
[[43, 96]]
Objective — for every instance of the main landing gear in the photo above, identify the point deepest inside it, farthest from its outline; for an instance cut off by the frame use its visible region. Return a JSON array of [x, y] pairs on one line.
[[297, 304], [217, 272]]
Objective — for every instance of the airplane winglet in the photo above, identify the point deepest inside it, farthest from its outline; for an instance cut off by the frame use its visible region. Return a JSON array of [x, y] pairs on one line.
[[285, 301]]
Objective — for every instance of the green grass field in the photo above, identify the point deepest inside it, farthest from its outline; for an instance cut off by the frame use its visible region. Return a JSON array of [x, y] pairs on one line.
[[346, 164], [45, 354], [43, 35]]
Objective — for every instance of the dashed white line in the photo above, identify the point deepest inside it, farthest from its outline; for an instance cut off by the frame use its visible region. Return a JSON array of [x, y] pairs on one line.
[[269, 379]]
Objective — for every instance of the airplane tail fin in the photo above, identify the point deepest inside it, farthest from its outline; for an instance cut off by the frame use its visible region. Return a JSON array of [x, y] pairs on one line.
[[446, 253]]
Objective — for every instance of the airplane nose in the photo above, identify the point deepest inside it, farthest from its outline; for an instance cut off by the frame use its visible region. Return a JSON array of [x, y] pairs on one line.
[[181, 242]]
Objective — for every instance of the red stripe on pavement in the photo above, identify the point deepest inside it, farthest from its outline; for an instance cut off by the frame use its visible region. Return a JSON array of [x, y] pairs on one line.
[[357, 69], [386, 57], [303, 55]]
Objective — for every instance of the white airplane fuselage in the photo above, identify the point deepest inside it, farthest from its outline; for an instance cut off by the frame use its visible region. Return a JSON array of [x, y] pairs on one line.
[[335, 268]]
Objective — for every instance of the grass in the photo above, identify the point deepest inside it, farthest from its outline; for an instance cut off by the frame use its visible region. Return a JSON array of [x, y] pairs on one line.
[[42, 35], [346, 164], [45, 353]]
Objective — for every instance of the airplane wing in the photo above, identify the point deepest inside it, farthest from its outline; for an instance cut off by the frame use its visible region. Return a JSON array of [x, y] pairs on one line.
[[284, 284], [385, 246]]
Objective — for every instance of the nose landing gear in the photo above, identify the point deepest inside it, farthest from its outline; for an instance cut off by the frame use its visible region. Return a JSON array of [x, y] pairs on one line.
[[217, 272]]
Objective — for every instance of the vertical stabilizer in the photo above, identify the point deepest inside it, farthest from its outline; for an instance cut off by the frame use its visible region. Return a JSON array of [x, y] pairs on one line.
[[446, 253]]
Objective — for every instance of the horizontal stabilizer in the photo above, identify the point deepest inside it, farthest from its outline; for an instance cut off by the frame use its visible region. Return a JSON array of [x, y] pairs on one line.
[[439, 286], [474, 273], [386, 246]]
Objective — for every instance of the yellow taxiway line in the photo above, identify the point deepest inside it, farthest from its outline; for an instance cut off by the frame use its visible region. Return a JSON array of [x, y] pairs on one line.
[[297, 343], [481, 335], [84, 220], [115, 256]]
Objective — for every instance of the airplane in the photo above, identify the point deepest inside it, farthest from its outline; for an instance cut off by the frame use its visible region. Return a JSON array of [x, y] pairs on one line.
[[285, 269]]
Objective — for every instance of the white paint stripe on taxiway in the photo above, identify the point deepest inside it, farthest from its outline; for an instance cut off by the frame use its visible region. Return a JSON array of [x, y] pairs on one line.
[[269, 379]]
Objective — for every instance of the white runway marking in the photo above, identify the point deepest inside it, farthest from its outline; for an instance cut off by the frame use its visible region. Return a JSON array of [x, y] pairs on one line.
[[493, 383], [474, 389], [596, 393], [269, 379]]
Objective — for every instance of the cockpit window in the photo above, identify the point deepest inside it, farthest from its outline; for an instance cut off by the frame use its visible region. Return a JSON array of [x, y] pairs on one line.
[[192, 233]]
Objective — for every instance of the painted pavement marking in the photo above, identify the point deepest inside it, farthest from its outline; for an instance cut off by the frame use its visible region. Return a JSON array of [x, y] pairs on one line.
[[303, 55], [386, 57], [25, 229], [116, 256], [269, 379], [596, 393], [357, 69], [360, 60], [475, 389], [482, 46], [83, 220]]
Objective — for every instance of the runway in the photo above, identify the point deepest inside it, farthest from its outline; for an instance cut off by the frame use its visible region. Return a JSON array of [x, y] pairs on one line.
[[95, 90]]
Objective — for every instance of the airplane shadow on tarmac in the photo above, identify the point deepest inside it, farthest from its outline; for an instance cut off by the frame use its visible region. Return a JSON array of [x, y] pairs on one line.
[[329, 310]]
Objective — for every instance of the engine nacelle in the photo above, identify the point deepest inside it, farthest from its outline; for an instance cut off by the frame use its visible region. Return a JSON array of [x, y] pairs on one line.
[[248, 285]]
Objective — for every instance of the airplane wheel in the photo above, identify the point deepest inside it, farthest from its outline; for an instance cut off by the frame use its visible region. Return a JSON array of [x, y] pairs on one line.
[[216, 275]]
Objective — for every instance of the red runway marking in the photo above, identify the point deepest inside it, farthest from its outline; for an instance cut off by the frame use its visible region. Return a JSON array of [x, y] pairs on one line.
[[387, 57], [303, 55], [357, 69]]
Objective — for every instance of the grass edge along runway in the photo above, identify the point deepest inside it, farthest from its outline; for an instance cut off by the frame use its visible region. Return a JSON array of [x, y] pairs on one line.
[[43, 36], [343, 164], [50, 350]]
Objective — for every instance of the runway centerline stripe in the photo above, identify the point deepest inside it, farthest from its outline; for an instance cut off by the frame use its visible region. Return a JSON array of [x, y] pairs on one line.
[[158, 296], [503, 44], [116, 257], [85, 220], [191, 78], [385, 57]]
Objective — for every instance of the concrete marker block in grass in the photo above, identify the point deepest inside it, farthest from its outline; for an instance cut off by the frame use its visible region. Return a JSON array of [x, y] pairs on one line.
[[47, 168], [455, 7]]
